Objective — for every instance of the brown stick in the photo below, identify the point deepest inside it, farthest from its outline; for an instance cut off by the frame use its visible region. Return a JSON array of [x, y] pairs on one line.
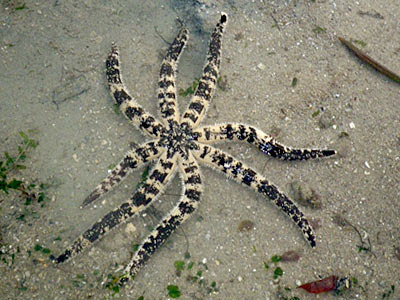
[[377, 66]]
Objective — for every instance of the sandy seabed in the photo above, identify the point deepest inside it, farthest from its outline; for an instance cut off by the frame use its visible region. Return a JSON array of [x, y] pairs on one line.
[[53, 82]]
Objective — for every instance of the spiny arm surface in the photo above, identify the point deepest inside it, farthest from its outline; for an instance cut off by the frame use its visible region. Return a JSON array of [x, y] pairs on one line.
[[205, 90], [179, 214], [152, 187], [128, 106], [235, 169], [265, 143], [133, 159], [166, 84]]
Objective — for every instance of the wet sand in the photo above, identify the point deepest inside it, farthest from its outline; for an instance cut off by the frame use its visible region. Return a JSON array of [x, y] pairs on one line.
[[53, 81]]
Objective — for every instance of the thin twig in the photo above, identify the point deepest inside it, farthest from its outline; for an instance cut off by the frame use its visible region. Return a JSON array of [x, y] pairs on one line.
[[275, 21], [161, 37], [377, 66], [363, 243]]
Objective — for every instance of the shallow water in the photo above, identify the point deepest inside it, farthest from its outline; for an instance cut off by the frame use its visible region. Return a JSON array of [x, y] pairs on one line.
[[53, 81]]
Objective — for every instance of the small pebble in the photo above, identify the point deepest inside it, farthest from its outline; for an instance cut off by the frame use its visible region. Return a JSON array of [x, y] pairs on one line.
[[246, 225], [290, 256], [326, 120], [304, 195], [397, 252], [130, 228]]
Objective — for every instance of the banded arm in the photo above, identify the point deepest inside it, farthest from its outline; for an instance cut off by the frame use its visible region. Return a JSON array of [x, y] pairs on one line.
[[166, 84], [135, 158], [205, 90], [241, 173], [179, 214], [265, 143], [128, 106], [152, 187]]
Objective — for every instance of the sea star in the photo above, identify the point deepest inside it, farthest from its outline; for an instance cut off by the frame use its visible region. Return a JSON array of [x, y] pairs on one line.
[[177, 144]]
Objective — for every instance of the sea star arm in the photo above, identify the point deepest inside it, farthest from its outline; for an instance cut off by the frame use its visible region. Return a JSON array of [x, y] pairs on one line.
[[166, 84], [202, 96], [179, 214], [241, 173], [265, 143], [152, 187], [135, 158], [128, 106]]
